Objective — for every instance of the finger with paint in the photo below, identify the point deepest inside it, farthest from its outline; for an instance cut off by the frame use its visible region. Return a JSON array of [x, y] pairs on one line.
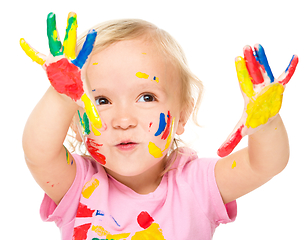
[[63, 67], [262, 94]]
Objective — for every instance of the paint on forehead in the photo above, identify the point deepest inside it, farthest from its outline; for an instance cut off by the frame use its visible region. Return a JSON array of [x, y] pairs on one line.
[[156, 79], [93, 149], [142, 75]]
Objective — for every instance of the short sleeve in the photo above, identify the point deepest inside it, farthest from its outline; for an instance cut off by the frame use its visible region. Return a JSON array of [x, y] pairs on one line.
[[200, 176], [65, 211]]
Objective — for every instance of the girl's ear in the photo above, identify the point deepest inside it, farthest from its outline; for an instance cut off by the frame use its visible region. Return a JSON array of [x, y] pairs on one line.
[[184, 116]]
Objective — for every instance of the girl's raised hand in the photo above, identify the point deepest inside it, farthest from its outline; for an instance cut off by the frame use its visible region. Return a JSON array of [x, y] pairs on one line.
[[261, 92], [63, 67]]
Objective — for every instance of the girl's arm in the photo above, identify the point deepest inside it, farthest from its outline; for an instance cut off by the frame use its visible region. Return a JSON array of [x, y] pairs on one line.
[[268, 150], [47, 126], [267, 154], [43, 139]]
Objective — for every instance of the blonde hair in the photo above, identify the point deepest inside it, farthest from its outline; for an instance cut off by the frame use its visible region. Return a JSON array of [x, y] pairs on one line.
[[127, 29]]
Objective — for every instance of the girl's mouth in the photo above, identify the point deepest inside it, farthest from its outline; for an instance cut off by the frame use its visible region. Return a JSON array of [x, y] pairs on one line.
[[126, 146]]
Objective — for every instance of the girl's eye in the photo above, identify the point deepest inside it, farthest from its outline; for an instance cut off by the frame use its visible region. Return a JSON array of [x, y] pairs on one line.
[[147, 98], [102, 101]]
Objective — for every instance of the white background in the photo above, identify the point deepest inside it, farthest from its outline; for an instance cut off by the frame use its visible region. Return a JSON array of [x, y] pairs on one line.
[[212, 33]]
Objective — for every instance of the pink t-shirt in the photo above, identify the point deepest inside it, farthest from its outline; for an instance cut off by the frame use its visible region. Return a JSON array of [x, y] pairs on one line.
[[186, 205]]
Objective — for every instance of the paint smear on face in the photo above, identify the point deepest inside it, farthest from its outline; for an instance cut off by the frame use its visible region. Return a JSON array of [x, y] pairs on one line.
[[156, 79], [65, 77], [80, 232], [93, 149], [95, 63], [142, 75], [84, 211], [167, 130], [265, 106], [144, 220], [162, 124], [91, 111], [90, 187]]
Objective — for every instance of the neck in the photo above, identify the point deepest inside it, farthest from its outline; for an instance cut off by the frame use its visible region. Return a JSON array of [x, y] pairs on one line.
[[143, 183]]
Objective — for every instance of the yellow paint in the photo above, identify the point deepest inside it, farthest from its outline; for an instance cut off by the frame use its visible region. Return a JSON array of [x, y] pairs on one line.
[[154, 150], [69, 43], [144, 53], [142, 75], [118, 236], [234, 164], [265, 106], [244, 77], [95, 64], [31, 52], [90, 187], [156, 79], [152, 232], [102, 233], [95, 131], [91, 111]]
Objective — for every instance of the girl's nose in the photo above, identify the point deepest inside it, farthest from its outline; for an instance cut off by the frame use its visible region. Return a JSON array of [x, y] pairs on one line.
[[124, 119]]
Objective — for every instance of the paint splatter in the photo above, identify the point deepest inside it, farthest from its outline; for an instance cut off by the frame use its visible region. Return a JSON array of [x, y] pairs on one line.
[[152, 232], [144, 219], [162, 124], [66, 78], [68, 159], [91, 111], [84, 211], [80, 232], [234, 164], [142, 75], [100, 230], [69, 43], [100, 213], [115, 221], [93, 149], [33, 54], [95, 64], [90, 187], [167, 130], [229, 145], [154, 150], [156, 79]]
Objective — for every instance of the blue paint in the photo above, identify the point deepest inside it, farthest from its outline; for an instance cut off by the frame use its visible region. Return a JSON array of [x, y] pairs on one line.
[[262, 59], [115, 221], [86, 49], [99, 213], [289, 64], [162, 124]]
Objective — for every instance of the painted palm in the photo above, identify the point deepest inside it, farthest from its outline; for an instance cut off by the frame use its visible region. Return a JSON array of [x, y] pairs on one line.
[[262, 93], [63, 67]]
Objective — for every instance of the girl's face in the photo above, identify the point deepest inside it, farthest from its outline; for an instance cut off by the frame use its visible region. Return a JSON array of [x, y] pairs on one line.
[[137, 94]]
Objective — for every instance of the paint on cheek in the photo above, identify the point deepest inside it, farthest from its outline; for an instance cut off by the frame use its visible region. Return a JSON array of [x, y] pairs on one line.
[[162, 124], [154, 150], [93, 149], [90, 187], [265, 106], [167, 130], [150, 125], [80, 232], [234, 164], [66, 78], [142, 75]]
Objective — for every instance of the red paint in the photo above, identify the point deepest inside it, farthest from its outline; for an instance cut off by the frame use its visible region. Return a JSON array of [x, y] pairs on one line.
[[253, 66], [84, 211], [167, 130], [290, 71], [93, 149], [144, 220], [229, 146], [65, 77], [80, 232]]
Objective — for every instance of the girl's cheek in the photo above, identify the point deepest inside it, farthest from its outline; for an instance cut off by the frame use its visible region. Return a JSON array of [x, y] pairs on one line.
[[163, 136]]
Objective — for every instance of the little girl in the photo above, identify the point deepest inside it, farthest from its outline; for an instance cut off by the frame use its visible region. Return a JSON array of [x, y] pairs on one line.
[[127, 92]]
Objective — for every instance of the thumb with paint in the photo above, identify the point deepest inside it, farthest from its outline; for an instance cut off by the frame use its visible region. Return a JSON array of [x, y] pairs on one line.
[[262, 94], [64, 68]]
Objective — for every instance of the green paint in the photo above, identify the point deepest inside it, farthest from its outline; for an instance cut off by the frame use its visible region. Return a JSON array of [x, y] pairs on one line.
[[71, 21], [55, 45], [84, 122]]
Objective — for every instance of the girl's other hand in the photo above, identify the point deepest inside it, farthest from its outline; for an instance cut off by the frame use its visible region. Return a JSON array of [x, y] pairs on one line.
[[261, 92]]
